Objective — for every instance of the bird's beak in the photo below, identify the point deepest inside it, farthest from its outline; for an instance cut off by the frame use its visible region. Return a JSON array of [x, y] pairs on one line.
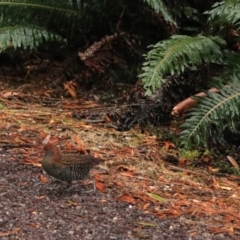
[[46, 139]]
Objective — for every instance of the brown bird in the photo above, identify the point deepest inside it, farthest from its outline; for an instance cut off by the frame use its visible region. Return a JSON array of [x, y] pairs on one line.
[[67, 167]]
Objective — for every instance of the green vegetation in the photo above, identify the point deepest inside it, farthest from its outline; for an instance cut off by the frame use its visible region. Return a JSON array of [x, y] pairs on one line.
[[215, 44], [181, 36]]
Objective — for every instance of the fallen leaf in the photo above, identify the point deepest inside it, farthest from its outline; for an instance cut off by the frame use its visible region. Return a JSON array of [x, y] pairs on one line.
[[156, 197], [23, 183], [218, 230], [114, 144], [215, 182], [128, 174], [169, 144], [3, 234], [15, 230], [72, 203], [46, 94], [107, 119], [82, 124], [226, 188], [42, 197], [43, 179], [8, 94], [138, 235], [71, 88], [182, 162], [145, 206], [96, 155], [147, 224], [127, 198], [80, 144], [120, 184], [35, 225], [233, 162], [34, 164], [211, 169], [100, 186]]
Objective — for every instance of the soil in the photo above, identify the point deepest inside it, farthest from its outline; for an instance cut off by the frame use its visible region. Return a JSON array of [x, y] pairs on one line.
[[194, 204], [31, 209]]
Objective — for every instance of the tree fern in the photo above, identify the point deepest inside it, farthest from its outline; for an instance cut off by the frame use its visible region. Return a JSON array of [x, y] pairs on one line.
[[175, 54], [219, 109]]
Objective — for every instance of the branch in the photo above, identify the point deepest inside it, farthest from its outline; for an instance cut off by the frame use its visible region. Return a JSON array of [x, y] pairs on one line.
[[187, 103]]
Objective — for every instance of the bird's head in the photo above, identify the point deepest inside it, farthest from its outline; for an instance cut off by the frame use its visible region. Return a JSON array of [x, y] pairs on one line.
[[52, 153]]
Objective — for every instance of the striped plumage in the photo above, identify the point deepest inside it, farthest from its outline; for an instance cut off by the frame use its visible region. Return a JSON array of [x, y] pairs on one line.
[[67, 167]]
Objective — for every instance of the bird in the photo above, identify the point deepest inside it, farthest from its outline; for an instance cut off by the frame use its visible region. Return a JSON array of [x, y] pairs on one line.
[[67, 167]]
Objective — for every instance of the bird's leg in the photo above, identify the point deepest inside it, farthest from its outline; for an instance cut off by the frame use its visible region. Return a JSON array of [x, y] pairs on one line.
[[63, 188], [54, 181], [68, 185], [94, 187]]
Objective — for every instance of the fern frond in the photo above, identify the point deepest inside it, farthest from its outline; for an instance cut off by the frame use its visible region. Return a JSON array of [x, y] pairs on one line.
[[230, 73], [47, 13], [20, 11], [225, 12], [25, 36], [218, 109], [27, 23], [61, 6], [160, 7], [175, 54], [17, 12]]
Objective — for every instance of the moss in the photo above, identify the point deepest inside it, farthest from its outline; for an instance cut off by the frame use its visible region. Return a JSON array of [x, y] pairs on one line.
[[207, 152], [190, 155]]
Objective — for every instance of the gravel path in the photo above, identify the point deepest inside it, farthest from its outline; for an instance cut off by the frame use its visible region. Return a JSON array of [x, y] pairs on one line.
[[30, 209]]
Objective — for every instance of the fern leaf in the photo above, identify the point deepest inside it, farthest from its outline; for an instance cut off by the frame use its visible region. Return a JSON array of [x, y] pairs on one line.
[[175, 54], [46, 13], [218, 109], [160, 7], [61, 6], [25, 36], [231, 70], [225, 12], [27, 23]]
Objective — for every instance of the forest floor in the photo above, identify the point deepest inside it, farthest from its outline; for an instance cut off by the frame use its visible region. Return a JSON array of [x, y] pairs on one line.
[[139, 195]]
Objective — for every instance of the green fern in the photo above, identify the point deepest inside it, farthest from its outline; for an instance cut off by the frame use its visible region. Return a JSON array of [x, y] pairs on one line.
[[25, 36], [231, 70], [225, 12], [218, 109], [27, 23], [71, 19], [62, 6], [175, 54], [22, 11], [160, 7]]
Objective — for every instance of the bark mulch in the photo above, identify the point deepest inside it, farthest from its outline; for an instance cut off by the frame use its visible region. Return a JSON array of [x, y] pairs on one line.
[[31, 209], [139, 195]]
